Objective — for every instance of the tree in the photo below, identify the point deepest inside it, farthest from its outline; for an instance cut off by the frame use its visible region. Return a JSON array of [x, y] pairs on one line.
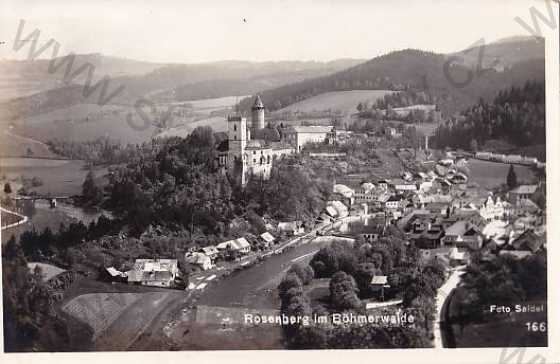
[[363, 276], [474, 145], [7, 188], [511, 177], [344, 292], [90, 192], [290, 281], [304, 273]]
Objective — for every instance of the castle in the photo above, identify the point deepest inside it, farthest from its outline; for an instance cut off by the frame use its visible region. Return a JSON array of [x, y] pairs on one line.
[[252, 150]]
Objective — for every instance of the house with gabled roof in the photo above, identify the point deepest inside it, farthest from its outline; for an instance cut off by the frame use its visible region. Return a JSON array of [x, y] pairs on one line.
[[154, 272], [528, 240], [463, 234]]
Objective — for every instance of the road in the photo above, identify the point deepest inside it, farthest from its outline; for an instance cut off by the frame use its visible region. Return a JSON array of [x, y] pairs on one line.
[[441, 302], [20, 222]]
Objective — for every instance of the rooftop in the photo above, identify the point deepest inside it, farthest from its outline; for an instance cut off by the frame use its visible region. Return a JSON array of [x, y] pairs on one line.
[[310, 129], [258, 103], [525, 190]]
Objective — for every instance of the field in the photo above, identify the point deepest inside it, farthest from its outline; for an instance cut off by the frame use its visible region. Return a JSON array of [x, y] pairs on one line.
[[99, 310], [406, 110], [86, 122], [345, 101], [59, 177], [13, 145], [424, 128], [217, 123], [490, 174], [48, 270], [120, 122]]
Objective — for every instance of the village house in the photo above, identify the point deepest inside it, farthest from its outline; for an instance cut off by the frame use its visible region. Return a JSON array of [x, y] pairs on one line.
[[401, 185], [516, 254], [210, 251], [378, 284], [383, 184], [240, 245], [525, 206], [267, 239], [299, 136], [199, 259], [291, 227], [395, 202], [154, 272], [528, 241], [425, 230], [491, 210], [449, 257], [366, 193], [463, 234], [370, 229], [523, 192], [391, 132]]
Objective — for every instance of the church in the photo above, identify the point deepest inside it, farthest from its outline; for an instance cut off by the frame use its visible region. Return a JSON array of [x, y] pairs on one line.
[[251, 150]]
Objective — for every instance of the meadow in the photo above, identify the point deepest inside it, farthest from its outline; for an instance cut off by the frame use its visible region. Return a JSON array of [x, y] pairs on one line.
[[345, 101], [490, 174], [59, 177]]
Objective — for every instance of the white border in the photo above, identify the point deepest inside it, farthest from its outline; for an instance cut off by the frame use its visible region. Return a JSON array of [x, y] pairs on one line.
[[445, 356]]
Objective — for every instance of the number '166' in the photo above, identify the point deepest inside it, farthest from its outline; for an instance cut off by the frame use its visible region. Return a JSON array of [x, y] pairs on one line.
[[536, 326]]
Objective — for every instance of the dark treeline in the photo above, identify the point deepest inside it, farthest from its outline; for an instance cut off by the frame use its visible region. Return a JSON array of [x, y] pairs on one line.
[[502, 281], [98, 151], [516, 116]]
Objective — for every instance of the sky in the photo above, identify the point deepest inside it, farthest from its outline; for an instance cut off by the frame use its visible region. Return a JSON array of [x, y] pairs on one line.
[[185, 31]]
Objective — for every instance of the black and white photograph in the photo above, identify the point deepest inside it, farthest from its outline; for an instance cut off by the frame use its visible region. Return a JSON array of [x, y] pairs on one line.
[[279, 175]]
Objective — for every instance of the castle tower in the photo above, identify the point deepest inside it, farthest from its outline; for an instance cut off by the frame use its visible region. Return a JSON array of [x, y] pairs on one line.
[[237, 141], [257, 114]]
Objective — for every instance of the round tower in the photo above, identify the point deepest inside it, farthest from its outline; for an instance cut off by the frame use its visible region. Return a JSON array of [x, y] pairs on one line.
[[257, 117]]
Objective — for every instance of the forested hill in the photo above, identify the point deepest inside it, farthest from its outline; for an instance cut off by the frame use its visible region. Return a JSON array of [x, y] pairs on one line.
[[516, 116], [427, 71]]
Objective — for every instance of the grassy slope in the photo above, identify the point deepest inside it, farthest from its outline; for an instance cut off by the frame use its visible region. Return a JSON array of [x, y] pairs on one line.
[[345, 101]]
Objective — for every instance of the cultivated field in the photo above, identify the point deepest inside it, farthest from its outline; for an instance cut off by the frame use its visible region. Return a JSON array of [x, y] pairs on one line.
[[99, 310], [345, 101]]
